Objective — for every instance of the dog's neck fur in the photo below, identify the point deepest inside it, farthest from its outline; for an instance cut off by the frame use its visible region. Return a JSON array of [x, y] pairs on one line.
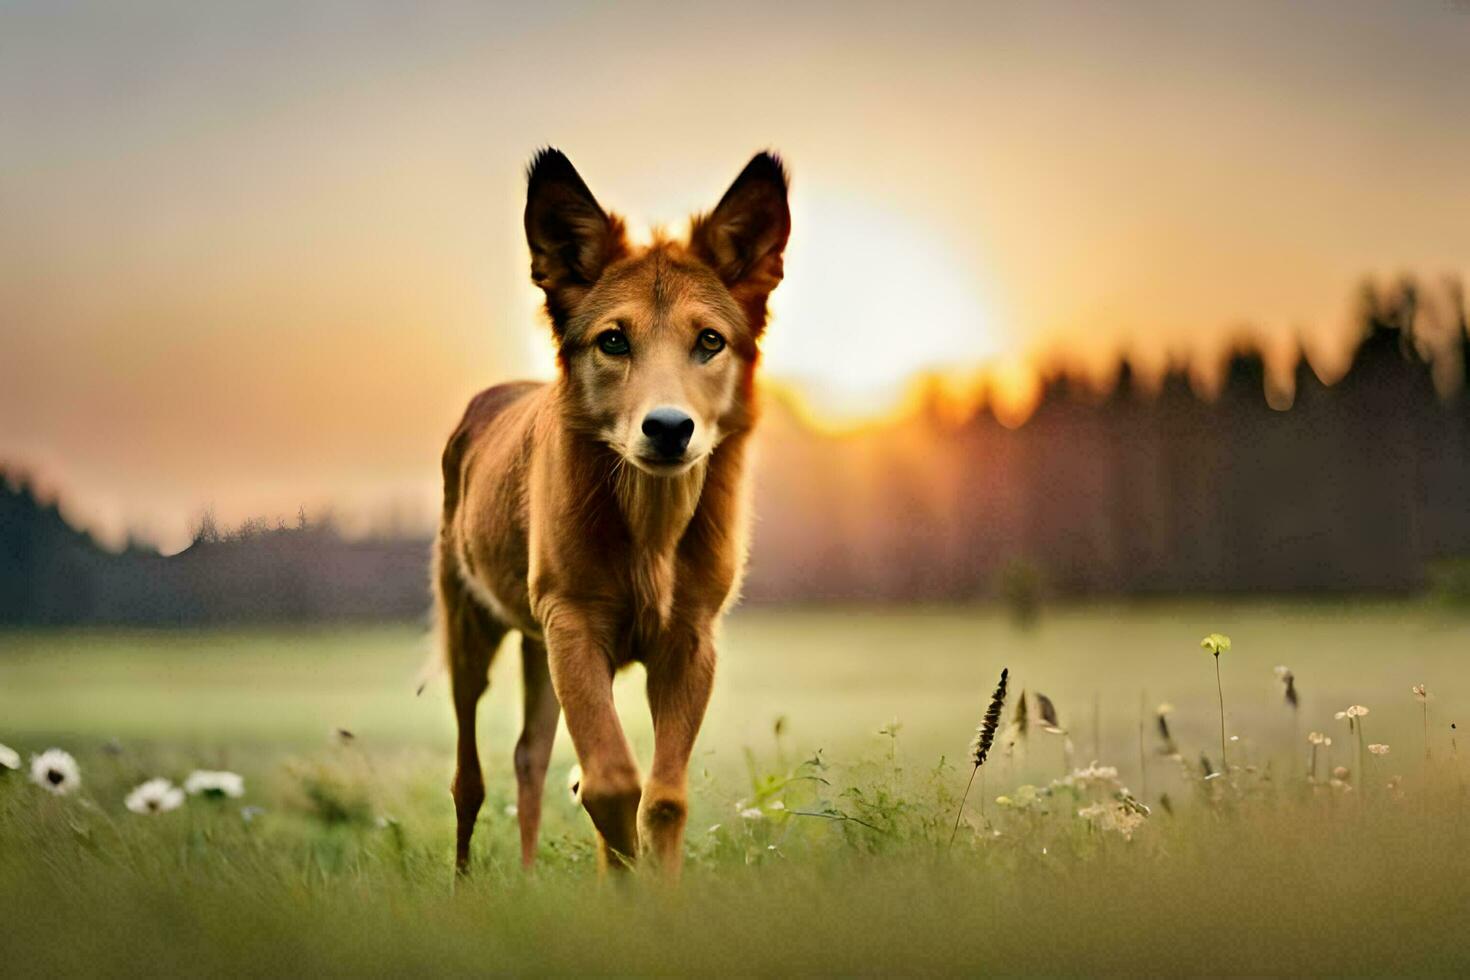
[[658, 508], [657, 511]]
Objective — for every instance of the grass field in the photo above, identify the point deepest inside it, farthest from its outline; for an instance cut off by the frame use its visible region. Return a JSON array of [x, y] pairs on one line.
[[840, 863]]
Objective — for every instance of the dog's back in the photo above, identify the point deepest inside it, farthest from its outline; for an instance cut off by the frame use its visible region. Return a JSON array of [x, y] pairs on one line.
[[486, 467]]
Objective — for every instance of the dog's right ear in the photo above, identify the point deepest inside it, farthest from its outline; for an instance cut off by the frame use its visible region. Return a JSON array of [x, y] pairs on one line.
[[572, 239]]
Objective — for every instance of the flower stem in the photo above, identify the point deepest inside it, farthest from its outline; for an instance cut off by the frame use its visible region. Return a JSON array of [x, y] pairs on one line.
[[1426, 731], [1362, 761], [954, 833], [1220, 690]]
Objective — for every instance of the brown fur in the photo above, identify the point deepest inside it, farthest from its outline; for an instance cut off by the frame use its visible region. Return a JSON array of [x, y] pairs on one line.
[[557, 525]]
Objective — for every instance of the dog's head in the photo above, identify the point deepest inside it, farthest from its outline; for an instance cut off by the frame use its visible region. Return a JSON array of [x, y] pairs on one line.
[[658, 344]]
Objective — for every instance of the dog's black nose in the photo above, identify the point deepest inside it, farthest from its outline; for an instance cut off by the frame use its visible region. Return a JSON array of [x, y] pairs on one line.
[[668, 431]]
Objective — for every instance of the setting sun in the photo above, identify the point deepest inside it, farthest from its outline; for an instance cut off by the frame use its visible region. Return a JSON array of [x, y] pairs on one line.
[[871, 299]]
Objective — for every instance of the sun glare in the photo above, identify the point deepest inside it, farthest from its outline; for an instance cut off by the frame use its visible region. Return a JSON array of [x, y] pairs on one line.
[[871, 299]]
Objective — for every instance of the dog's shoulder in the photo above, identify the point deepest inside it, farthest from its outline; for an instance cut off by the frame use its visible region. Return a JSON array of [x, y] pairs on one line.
[[479, 415]]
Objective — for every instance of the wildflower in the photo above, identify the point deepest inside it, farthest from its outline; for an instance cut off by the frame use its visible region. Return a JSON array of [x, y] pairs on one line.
[[1377, 748], [1116, 817], [1351, 714], [1083, 779], [751, 813], [55, 771], [511, 810], [1341, 772], [155, 796], [1317, 738], [9, 759], [1422, 696], [1025, 797], [1216, 643], [249, 813], [214, 785]]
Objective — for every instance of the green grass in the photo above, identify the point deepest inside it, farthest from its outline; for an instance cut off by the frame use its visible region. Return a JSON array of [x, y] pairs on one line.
[[1259, 872]]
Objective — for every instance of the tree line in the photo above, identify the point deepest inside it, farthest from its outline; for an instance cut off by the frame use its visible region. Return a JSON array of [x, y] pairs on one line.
[[1360, 486]]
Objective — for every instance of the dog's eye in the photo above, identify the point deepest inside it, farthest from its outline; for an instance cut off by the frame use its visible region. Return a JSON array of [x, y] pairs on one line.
[[613, 342], [710, 343]]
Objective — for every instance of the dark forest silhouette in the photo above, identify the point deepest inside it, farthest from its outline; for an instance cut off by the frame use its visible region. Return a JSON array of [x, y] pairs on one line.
[[1358, 488]]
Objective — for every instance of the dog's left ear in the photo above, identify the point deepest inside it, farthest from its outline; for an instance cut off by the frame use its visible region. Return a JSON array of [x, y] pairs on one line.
[[743, 238]]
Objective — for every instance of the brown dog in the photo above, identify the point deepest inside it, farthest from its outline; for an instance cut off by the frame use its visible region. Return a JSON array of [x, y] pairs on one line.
[[602, 515]]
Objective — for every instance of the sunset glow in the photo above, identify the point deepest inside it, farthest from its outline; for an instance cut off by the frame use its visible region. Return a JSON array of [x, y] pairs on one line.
[[257, 257], [871, 300]]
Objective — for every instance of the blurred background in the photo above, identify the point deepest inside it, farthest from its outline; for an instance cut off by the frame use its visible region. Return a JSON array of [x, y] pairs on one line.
[[1082, 300]]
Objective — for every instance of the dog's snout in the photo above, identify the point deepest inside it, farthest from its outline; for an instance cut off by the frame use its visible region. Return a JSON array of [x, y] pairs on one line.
[[669, 431]]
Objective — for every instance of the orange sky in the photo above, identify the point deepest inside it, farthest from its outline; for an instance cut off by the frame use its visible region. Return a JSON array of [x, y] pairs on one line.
[[255, 257]]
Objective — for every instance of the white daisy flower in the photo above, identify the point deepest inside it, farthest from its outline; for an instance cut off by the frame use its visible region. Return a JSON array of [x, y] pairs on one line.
[[155, 796], [215, 785], [55, 771], [9, 759], [751, 813], [1378, 749]]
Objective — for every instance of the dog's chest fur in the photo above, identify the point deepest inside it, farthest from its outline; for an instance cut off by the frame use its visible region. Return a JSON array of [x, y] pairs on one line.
[[657, 511]]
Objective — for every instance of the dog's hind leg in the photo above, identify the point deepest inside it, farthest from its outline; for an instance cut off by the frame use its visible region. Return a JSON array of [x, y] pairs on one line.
[[533, 750], [472, 637]]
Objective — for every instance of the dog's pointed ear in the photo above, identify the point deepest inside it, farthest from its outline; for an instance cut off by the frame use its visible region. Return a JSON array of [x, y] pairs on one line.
[[743, 238], [572, 239]]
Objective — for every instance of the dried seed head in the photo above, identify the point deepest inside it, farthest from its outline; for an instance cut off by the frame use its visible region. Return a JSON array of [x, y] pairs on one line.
[[1022, 718], [985, 733]]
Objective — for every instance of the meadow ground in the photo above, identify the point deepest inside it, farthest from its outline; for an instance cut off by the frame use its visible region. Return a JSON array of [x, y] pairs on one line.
[[816, 845]]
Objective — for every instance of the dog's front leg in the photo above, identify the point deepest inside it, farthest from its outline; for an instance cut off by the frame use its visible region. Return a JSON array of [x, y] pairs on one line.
[[581, 672], [680, 677]]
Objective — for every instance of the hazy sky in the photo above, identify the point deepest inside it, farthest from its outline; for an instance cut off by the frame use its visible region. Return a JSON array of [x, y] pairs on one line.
[[259, 255]]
